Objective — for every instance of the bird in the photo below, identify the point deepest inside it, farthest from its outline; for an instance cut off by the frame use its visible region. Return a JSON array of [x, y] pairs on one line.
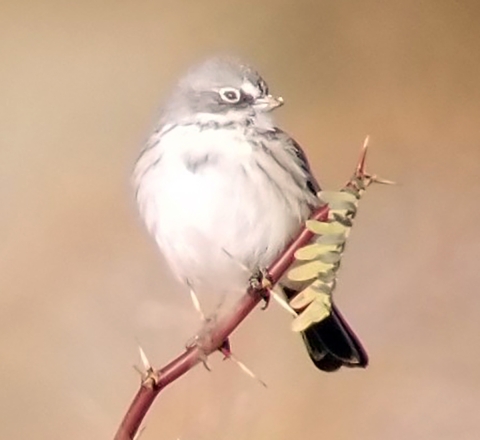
[[222, 190]]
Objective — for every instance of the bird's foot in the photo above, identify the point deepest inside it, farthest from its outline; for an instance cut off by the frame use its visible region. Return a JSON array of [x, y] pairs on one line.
[[203, 341], [260, 282]]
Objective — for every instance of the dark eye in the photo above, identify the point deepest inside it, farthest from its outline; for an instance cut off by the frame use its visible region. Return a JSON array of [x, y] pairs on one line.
[[230, 95]]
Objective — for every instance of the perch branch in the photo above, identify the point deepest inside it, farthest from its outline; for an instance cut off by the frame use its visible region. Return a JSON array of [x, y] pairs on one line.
[[154, 381]]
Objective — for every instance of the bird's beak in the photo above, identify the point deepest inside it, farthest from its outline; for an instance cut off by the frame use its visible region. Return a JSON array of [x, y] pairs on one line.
[[268, 103]]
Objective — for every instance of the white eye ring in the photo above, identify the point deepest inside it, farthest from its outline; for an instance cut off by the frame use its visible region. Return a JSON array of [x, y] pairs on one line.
[[230, 95]]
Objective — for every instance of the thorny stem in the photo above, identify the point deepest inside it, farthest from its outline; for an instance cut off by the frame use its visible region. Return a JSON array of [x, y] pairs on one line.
[[155, 381]]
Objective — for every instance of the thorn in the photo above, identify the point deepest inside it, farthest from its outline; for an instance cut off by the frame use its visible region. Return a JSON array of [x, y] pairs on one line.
[[376, 179], [145, 362], [366, 142], [283, 303], [361, 167], [139, 371], [203, 358], [196, 304], [361, 170], [150, 377], [196, 341], [229, 355]]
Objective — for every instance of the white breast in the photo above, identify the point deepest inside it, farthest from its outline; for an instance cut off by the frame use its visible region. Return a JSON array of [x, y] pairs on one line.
[[217, 206]]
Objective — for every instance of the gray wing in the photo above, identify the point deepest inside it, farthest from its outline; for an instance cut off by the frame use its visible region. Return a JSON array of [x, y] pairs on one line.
[[312, 182], [330, 343]]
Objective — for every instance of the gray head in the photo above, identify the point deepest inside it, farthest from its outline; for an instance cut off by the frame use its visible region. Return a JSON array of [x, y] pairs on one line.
[[222, 90]]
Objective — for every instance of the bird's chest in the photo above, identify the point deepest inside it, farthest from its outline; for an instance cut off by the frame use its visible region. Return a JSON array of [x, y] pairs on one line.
[[213, 197]]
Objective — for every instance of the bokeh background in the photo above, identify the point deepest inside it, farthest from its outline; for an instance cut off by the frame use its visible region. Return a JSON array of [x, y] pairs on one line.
[[81, 283]]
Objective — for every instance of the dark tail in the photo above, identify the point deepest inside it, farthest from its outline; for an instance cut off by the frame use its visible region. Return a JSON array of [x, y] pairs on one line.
[[332, 344]]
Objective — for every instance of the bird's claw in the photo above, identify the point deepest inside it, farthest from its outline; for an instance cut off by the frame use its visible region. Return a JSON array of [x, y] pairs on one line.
[[261, 282]]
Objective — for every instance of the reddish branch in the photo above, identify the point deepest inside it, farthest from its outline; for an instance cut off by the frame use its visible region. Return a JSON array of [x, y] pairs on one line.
[[155, 381]]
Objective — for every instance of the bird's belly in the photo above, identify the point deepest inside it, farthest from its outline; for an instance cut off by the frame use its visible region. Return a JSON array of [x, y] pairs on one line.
[[216, 225]]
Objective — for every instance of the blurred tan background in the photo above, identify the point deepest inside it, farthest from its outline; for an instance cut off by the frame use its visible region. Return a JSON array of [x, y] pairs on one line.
[[81, 284]]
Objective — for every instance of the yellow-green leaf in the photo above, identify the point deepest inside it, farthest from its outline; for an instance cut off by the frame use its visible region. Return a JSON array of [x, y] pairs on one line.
[[339, 200], [309, 294], [330, 257], [308, 271], [317, 311], [332, 239], [324, 228], [327, 277], [314, 250]]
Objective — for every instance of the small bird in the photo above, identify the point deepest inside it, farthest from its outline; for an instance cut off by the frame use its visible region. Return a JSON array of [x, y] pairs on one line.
[[223, 190]]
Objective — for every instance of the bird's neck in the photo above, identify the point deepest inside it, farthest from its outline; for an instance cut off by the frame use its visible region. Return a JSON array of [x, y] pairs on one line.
[[260, 120]]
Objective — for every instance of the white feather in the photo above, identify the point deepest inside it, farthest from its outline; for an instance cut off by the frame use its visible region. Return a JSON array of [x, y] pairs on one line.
[[213, 222]]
